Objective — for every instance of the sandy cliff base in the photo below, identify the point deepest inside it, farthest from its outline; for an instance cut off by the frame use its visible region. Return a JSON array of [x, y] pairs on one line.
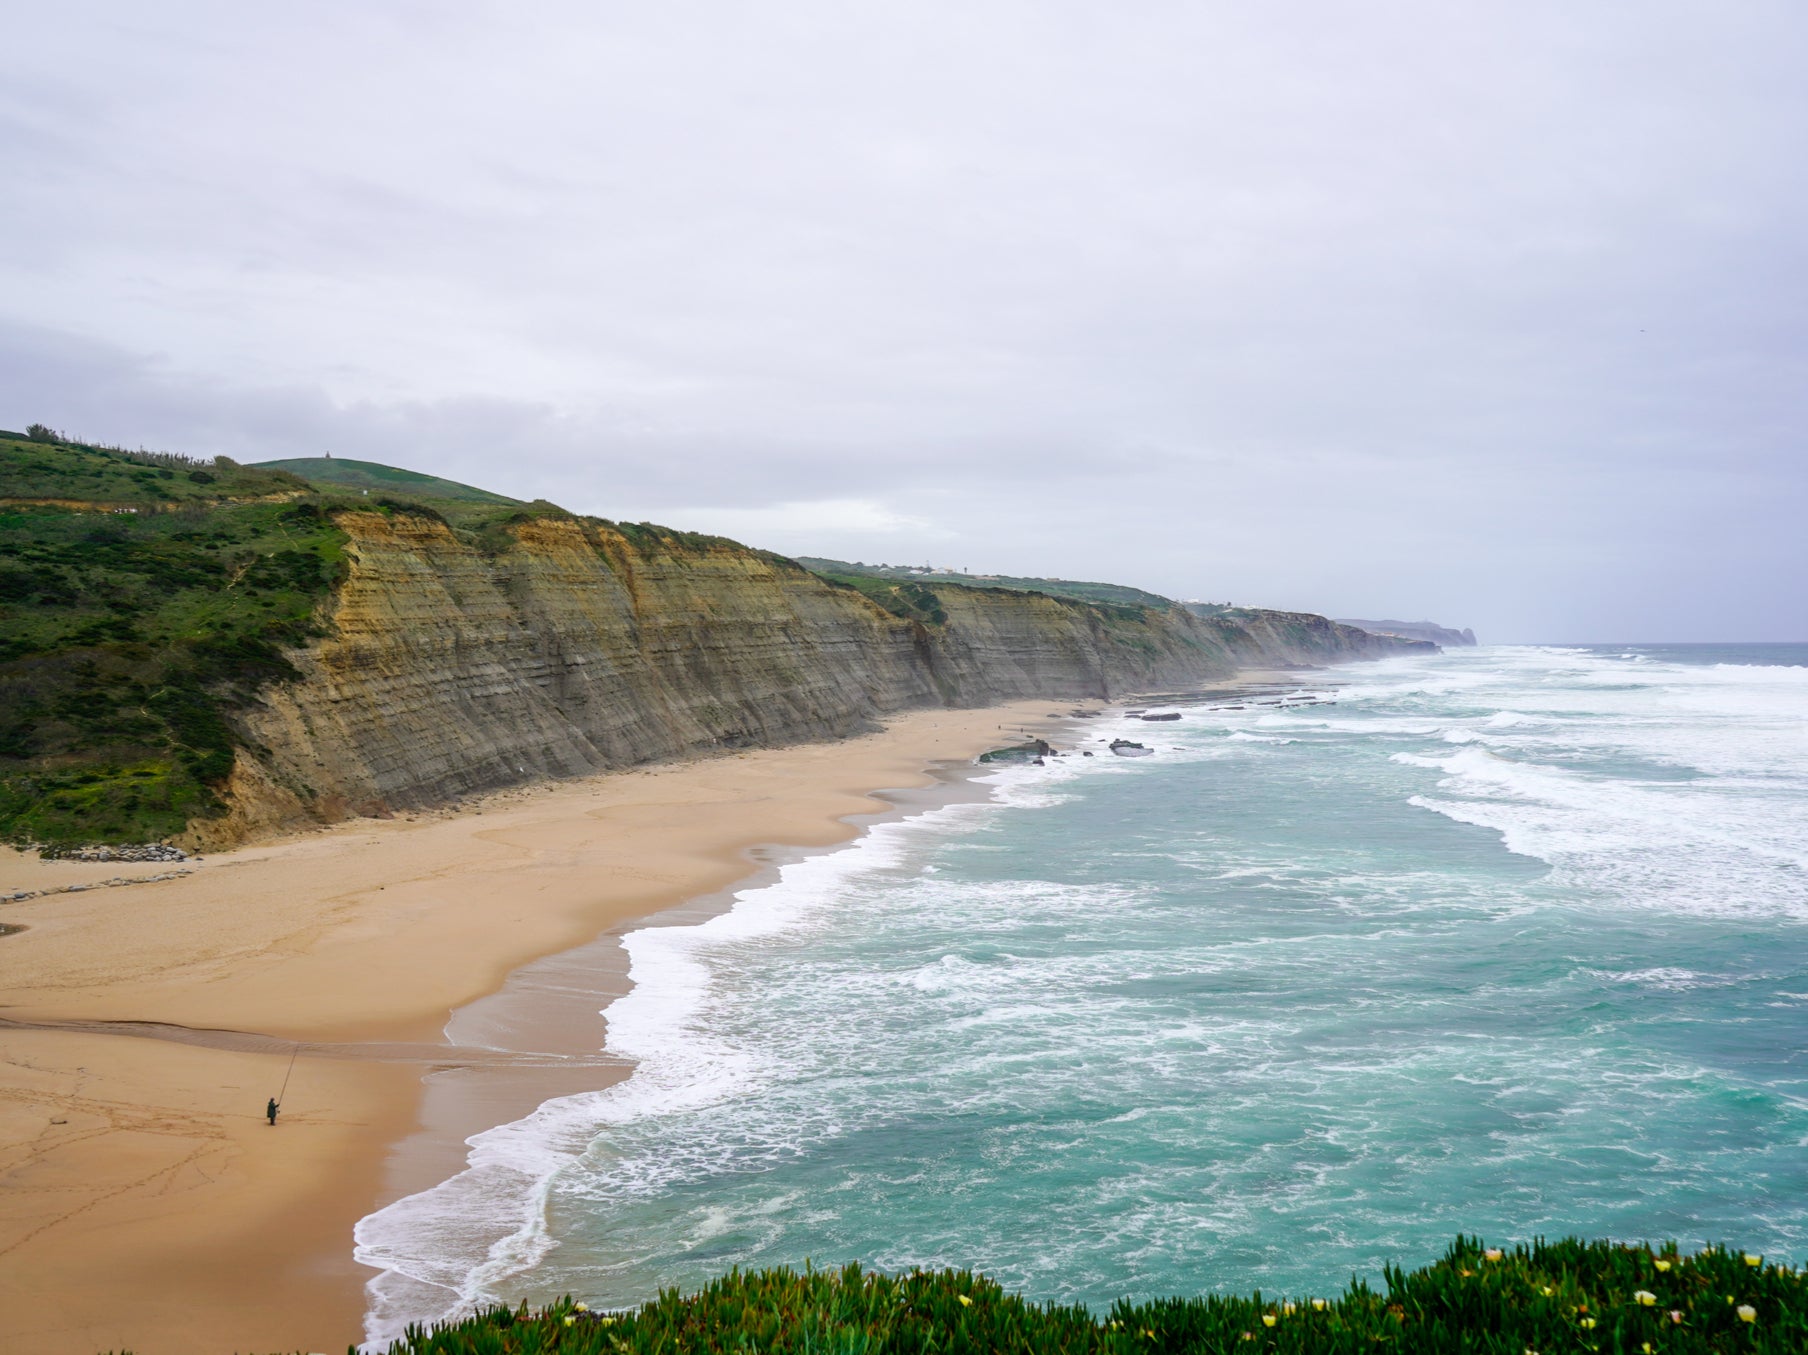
[[144, 1201]]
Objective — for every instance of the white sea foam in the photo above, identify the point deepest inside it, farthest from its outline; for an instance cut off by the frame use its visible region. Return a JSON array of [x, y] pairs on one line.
[[452, 1248], [1710, 843], [1670, 977], [1243, 987]]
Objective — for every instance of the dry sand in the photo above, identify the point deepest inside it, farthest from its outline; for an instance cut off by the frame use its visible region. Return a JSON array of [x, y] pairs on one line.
[[144, 1201]]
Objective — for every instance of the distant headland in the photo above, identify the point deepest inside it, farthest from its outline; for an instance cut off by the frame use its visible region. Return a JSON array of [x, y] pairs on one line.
[[1415, 630]]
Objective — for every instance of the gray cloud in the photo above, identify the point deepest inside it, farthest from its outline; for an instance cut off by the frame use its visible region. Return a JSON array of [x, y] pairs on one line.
[[1489, 313]]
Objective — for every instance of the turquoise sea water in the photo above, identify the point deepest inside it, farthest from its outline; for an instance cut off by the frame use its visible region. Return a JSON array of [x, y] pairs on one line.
[[1511, 940]]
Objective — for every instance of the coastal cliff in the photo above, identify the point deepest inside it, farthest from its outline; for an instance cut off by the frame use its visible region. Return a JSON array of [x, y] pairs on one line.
[[1443, 636], [208, 651], [579, 646]]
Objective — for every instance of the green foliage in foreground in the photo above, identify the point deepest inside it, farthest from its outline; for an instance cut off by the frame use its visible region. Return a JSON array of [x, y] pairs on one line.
[[1549, 1297]]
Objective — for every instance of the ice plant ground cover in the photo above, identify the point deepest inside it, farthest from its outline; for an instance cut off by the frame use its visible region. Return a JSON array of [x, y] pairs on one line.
[[1547, 1297]]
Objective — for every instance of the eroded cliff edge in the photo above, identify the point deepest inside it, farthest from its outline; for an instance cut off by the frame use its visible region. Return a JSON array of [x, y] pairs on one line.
[[573, 647]]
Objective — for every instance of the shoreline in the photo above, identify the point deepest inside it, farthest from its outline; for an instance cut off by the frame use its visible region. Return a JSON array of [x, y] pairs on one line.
[[556, 1006], [147, 1203]]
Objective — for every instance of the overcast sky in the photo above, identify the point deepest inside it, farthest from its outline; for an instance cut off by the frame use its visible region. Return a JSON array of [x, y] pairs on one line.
[[1492, 313]]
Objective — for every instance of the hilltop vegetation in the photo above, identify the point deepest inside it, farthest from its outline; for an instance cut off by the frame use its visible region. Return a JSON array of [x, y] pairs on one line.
[[43, 464], [138, 599], [146, 596], [339, 472], [1549, 1297], [874, 579]]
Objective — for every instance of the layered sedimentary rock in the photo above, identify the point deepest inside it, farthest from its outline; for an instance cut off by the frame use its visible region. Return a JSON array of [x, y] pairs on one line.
[[578, 647]]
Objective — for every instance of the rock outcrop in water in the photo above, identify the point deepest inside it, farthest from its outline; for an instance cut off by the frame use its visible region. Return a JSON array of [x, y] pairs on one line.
[[579, 647]]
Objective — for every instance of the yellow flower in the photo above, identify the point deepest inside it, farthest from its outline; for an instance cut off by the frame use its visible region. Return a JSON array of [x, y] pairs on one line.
[[1548, 1291], [569, 1321], [1746, 1312], [1319, 1304], [580, 1307], [1646, 1348], [965, 1301], [1588, 1323], [1646, 1297], [1492, 1254], [1751, 1260], [1289, 1308], [1267, 1319], [1661, 1264]]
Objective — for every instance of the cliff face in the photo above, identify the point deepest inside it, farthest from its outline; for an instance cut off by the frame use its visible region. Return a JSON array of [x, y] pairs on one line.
[[1286, 639], [579, 647], [1415, 630]]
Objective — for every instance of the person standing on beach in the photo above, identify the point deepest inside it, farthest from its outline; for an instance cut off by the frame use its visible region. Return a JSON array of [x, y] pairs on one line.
[[270, 1110]]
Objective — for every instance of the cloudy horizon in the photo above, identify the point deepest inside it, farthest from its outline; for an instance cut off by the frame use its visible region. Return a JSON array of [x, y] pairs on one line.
[[1488, 314]]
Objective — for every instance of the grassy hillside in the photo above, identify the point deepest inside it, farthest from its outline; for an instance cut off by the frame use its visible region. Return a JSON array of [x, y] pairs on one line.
[[1111, 594], [368, 475], [1563, 1296], [138, 600], [46, 466], [146, 596]]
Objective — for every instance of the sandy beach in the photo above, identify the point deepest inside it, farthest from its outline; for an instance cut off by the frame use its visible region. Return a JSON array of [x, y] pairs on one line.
[[145, 1203]]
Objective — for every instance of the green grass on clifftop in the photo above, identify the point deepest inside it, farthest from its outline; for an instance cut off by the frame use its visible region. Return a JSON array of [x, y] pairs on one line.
[[362, 475], [1546, 1298], [1079, 590]]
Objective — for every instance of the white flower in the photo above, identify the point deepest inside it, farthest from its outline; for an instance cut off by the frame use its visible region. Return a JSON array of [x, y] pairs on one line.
[[1746, 1312], [1646, 1297]]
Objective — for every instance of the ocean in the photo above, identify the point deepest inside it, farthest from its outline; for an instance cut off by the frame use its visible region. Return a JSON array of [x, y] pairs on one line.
[[1509, 941]]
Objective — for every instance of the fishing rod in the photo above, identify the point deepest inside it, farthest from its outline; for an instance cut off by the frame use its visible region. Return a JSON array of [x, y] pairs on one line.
[[289, 1074]]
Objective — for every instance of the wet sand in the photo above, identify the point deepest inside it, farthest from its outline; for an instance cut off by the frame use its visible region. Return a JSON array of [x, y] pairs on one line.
[[144, 1201]]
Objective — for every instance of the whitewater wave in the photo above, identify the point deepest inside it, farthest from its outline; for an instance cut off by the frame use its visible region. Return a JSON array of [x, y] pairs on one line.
[[1130, 1022]]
